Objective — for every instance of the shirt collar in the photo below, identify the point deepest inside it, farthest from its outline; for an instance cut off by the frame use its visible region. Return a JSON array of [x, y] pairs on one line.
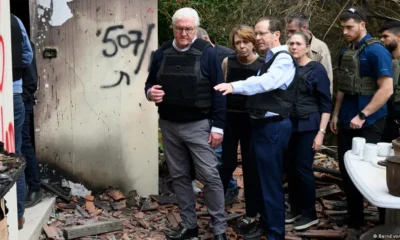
[[183, 49], [272, 51], [365, 38], [313, 43]]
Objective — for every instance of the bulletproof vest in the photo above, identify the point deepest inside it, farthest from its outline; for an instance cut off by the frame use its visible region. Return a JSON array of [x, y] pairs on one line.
[[16, 45], [306, 100], [277, 101], [181, 78], [348, 74], [396, 75], [238, 71]]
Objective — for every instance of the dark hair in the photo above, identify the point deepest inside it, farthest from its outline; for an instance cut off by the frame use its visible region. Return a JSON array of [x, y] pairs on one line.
[[274, 23], [304, 36], [392, 26], [353, 13], [300, 18]]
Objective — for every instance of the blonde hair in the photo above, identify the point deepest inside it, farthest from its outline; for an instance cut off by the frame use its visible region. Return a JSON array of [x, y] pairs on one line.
[[186, 13], [245, 32]]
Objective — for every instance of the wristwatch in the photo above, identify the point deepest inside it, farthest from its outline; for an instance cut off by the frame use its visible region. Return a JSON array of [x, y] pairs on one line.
[[362, 116], [322, 130]]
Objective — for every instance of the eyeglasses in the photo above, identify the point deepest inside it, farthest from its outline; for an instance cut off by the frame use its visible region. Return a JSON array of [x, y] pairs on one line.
[[261, 33], [187, 30]]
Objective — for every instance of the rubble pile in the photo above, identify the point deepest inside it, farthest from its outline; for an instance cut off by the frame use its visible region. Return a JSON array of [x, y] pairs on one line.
[[113, 215]]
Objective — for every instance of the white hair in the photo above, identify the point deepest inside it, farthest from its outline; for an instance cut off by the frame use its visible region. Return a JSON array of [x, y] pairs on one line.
[[186, 13]]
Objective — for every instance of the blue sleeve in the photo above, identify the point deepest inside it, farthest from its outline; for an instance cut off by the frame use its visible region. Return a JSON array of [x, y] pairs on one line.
[[211, 68], [27, 53], [322, 87], [379, 60], [154, 67]]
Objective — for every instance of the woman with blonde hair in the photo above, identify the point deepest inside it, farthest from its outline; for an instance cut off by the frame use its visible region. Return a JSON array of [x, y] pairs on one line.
[[244, 64]]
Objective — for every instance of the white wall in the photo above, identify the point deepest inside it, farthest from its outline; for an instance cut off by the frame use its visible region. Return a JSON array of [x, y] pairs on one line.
[[6, 92], [100, 131]]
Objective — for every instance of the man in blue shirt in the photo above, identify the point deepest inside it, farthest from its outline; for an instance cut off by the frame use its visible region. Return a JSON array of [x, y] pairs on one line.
[[360, 112], [22, 56], [269, 105], [390, 36]]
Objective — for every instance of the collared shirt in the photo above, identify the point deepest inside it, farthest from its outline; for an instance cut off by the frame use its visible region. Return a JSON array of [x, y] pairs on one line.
[[279, 75], [319, 52], [375, 62], [183, 49], [27, 56]]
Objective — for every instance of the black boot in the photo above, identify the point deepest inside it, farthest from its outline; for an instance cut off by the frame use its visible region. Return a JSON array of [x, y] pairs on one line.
[[184, 233], [33, 198], [220, 237], [256, 234]]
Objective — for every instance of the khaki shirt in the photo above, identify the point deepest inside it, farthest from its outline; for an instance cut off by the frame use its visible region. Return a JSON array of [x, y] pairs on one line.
[[319, 52]]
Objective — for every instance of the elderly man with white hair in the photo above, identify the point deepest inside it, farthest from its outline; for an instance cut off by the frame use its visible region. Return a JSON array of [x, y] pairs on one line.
[[192, 117]]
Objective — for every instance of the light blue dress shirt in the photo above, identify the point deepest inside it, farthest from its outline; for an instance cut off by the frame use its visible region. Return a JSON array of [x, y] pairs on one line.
[[279, 75], [27, 56]]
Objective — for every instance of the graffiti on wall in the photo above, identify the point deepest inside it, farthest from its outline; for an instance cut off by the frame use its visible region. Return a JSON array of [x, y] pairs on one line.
[[7, 127], [123, 41]]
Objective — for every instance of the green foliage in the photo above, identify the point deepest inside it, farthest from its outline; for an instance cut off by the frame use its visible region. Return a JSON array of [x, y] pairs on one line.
[[218, 17]]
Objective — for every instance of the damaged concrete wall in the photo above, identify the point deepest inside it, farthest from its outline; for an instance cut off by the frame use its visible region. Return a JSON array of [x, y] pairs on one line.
[[6, 91], [92, 119]]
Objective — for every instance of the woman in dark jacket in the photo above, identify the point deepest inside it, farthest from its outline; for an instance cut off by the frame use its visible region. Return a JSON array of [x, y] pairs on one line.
[[310, 116]]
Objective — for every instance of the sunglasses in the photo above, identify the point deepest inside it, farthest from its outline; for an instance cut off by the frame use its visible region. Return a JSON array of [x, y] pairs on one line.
[[353, 10]]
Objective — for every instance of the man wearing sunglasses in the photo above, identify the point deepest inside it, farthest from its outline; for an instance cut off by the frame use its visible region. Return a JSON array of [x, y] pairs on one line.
[[364, 85]]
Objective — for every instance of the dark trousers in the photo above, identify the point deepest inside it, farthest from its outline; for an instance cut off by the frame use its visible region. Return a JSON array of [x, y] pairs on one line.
[[238, 128], [31, 170], [269, 142], [391, 130], [372, 134], [19, 115], [301, 182]]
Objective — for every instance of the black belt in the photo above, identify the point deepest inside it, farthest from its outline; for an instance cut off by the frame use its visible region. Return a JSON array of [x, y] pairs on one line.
[[268, 119]]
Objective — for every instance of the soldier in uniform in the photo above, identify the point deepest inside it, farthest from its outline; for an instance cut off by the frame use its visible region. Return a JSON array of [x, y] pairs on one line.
[[364, 85], [390, 36], [192, 118]]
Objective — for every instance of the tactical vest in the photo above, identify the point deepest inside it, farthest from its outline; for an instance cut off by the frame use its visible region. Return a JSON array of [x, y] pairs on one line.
[[238, 71], [16, 45], [348, 74], [181, 77], [306, 100], [396, 75], [277, 101]]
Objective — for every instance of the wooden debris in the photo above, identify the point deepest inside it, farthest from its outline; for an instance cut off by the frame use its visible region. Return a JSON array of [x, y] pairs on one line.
[[164, 199], [177, 217], [149, 206], [119, 205], [53, 232], [335, 212], [115, 194], [89, 206], [340, 234], [327, 191], [92, 229], [83, 212], [172, 220]]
